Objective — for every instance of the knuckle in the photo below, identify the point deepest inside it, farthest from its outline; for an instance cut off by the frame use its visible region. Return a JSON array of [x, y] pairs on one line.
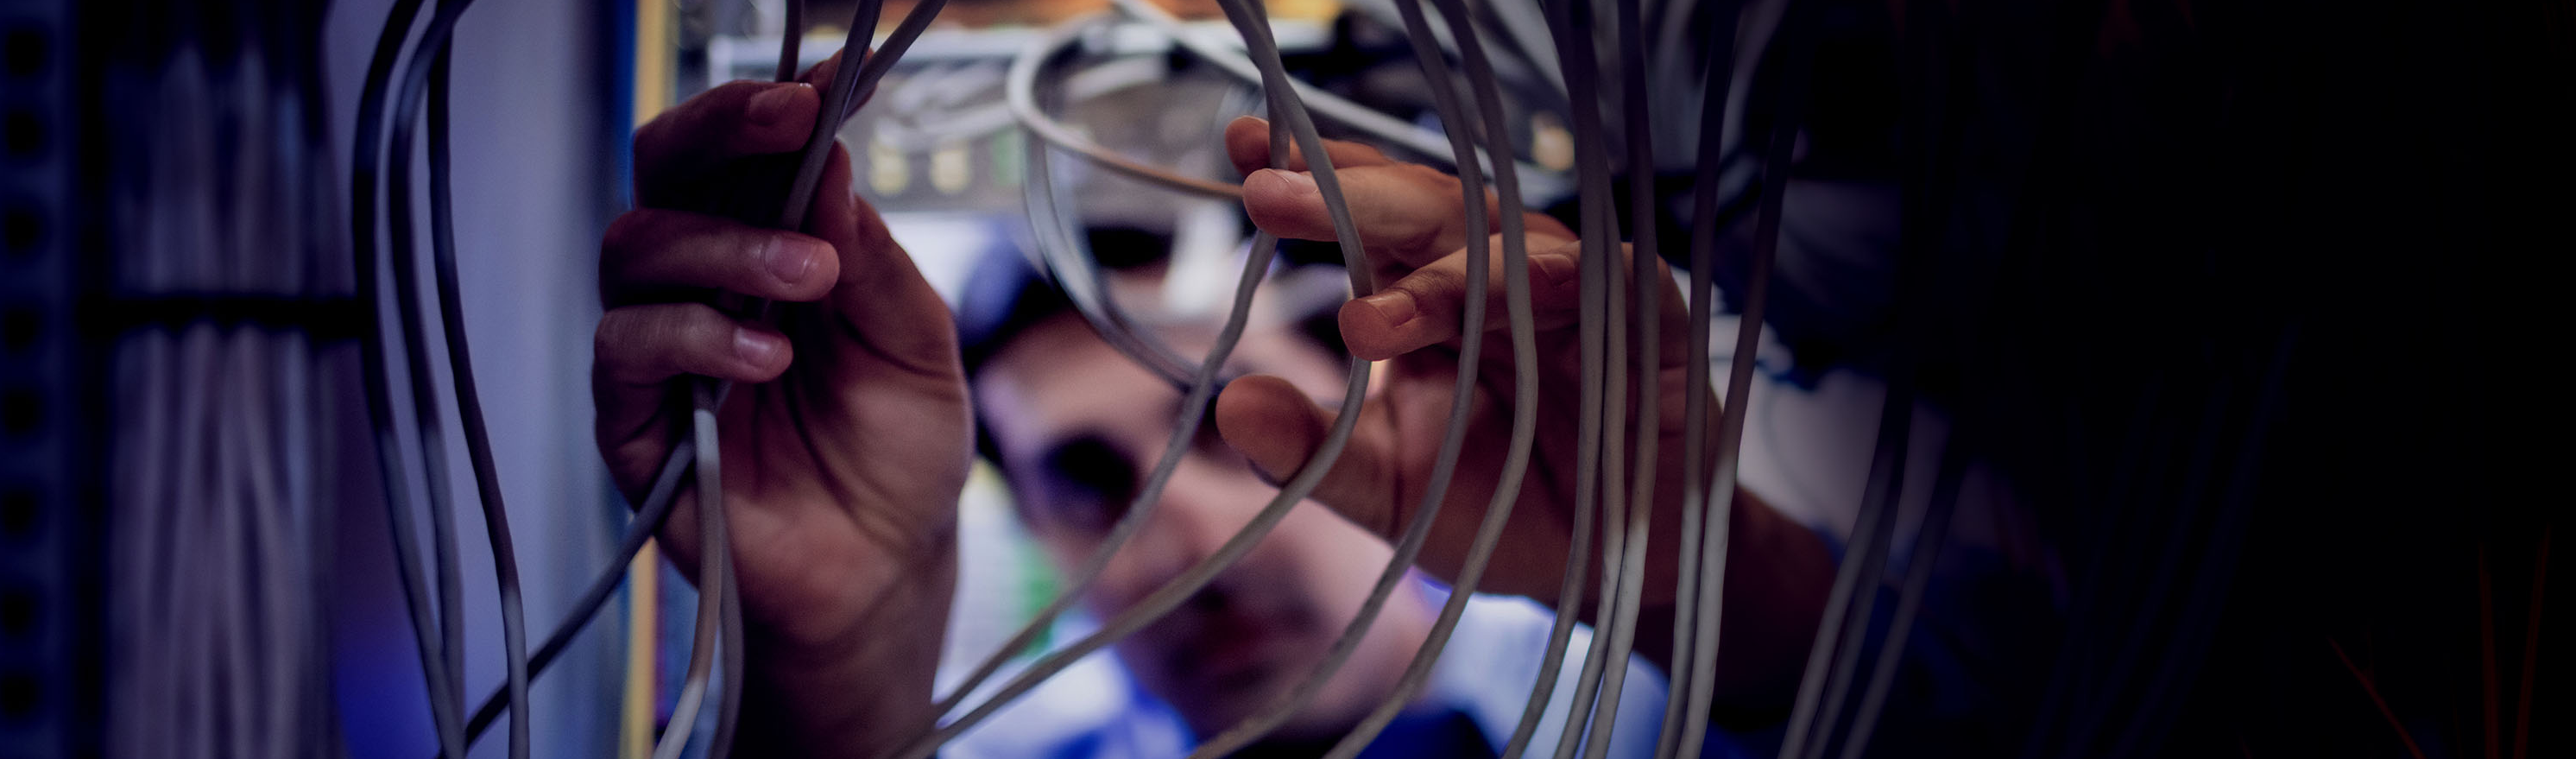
[[622, 234]]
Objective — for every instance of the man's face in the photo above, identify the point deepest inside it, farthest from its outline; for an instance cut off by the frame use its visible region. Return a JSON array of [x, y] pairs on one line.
[[1079, 427]]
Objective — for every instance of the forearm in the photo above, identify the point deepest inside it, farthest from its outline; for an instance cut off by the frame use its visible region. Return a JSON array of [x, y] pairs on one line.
[[861, 695]]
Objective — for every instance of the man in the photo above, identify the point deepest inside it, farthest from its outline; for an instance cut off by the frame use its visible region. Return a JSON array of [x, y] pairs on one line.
[[1075, 427], [848, 440]]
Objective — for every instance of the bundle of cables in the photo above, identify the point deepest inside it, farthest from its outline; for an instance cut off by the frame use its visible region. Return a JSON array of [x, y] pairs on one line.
[[424, 81], [1615, 467]]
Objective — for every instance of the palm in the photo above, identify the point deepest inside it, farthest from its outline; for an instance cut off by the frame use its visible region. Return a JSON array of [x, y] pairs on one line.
[[845, 445]]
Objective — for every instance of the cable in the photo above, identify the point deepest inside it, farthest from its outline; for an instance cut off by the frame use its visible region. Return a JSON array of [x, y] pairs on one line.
[[715, 568], [790, 36], [850, 85], [1840, 635], [1200, 390], [1522, 335], [1180, 589], [656, 507], [1018, 92], [1604, 361], [392, 472], [1244, 66], [1928, 539], [1644, 259], [430, 423], [428, 79], [1061, 256], [1697, 651], [469, 405], [1453, 436]]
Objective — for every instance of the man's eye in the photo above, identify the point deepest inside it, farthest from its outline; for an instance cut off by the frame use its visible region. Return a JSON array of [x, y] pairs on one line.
[[1090, 483]]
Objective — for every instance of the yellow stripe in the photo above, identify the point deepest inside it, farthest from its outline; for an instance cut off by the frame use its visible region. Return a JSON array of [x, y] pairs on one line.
[[635, 730], [653, 76]]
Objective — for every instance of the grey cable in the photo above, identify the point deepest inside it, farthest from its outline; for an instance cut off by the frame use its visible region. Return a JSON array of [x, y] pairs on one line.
[[1453, 436], [1524, 350], [1244, 66], [1497, 132], [1856, 581], [1019, 93], [716, 582], [714, 564], [1060, 254], [431, 80], [654, 510], [849, 86], [1571, 23], [393, 473], [430, 421], [1049, 226], [1928, 539], [1716, 502], [1840, 637], [1355, 389], [791, 35], [1643, 260]]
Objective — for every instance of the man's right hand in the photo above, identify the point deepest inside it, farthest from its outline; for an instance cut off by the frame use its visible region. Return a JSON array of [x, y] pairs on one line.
[[847, 436]]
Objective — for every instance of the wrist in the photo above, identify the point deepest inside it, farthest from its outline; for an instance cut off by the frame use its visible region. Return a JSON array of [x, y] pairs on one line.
[[864, 692]]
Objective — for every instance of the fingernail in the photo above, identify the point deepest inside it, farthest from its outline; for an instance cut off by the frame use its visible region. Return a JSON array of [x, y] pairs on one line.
[[754, 348], [791, 259], [1299, 181], [1264, 473], [771, 106], [1395, 306], [1555, 271]]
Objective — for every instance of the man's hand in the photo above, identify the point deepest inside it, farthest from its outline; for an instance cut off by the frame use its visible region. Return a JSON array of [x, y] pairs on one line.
[[847, 437], [1412, 225]]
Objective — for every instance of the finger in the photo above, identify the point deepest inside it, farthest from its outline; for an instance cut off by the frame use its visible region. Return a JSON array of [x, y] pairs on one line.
[[1247, 143], [823, 71], [1276, 426], [1427, 307], [882, 299], [1407, 215], [642, 347], [732, 121], [651, 254]]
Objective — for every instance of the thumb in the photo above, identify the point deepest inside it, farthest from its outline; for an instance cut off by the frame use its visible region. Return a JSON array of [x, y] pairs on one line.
[[1275, 426]]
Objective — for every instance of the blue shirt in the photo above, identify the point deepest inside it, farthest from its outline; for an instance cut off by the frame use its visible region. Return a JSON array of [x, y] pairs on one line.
[[1094, 709]]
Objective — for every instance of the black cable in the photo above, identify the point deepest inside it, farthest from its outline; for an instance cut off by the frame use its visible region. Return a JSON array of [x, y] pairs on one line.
[[366, 148]]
